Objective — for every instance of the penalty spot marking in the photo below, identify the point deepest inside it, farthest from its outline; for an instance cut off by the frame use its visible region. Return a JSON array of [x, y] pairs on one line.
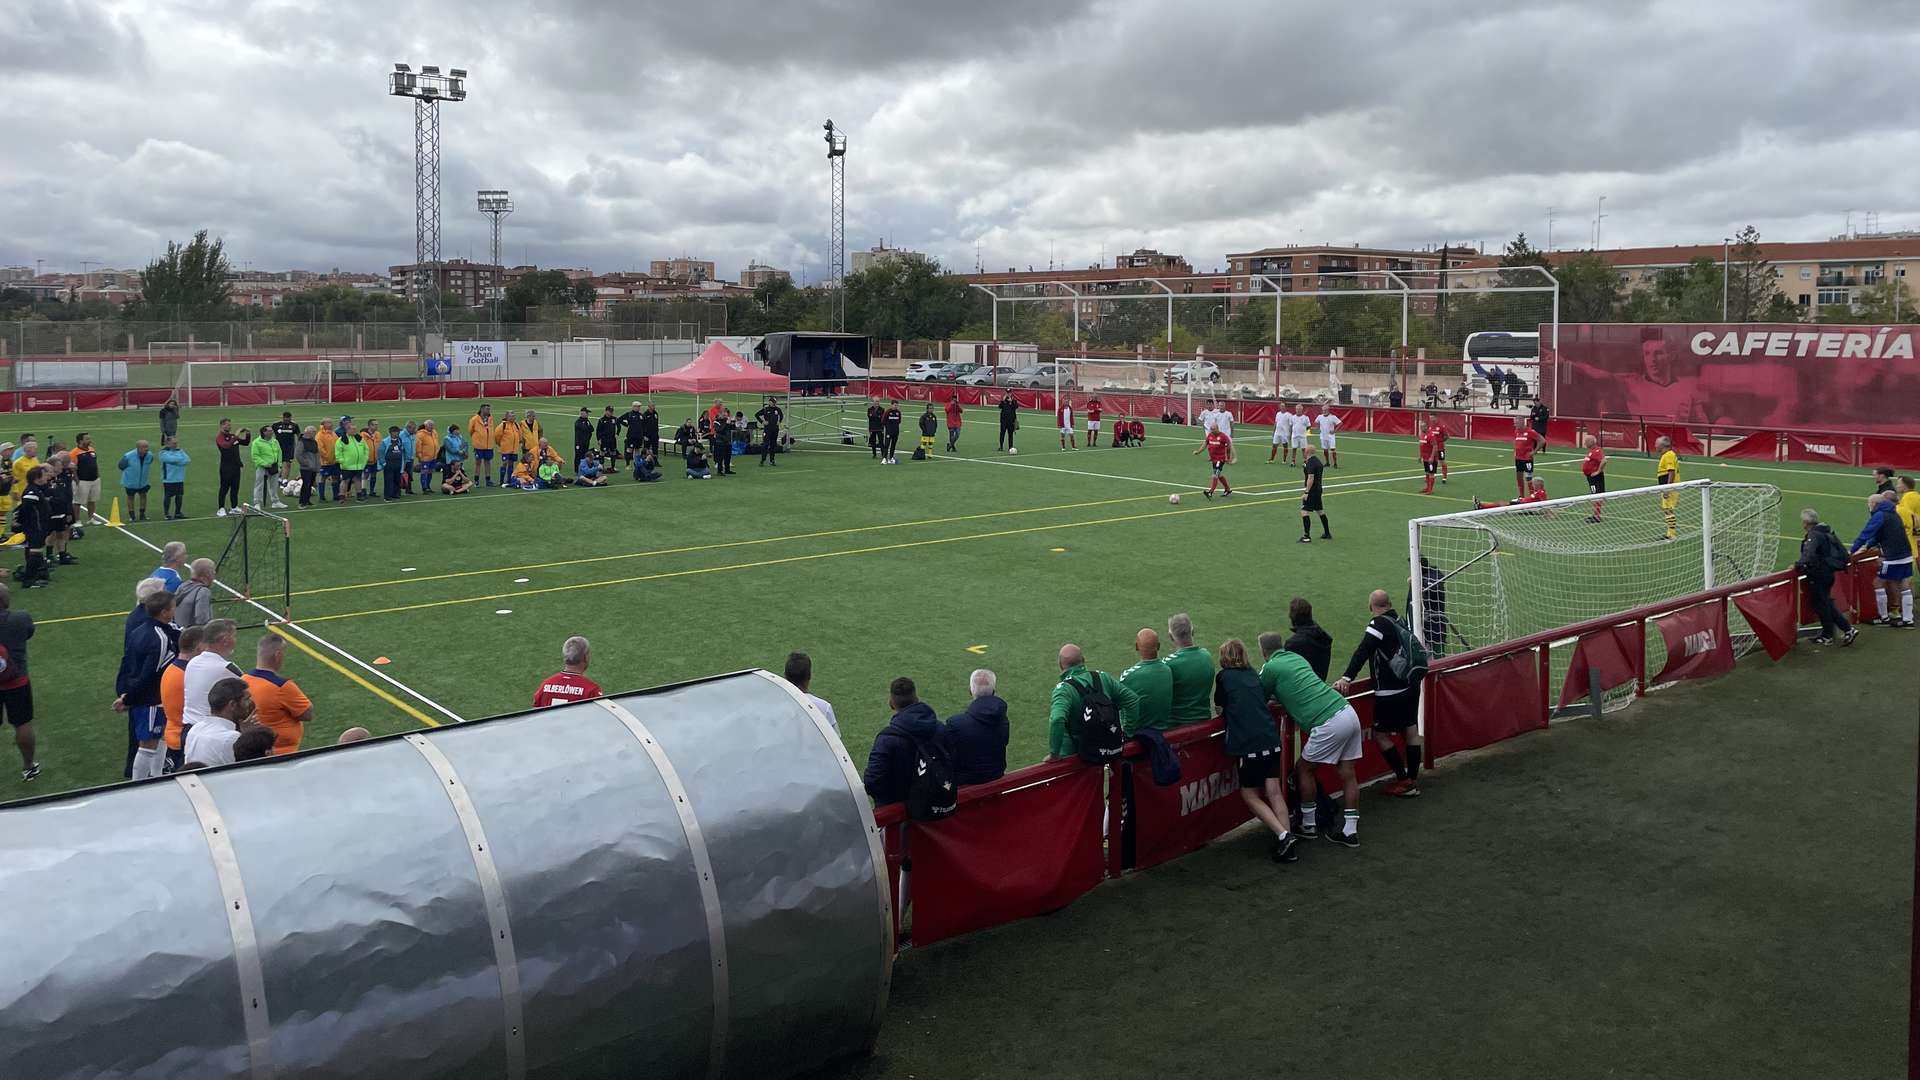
[[408, 569], [503, 611], [1059, 549], [521, 580]]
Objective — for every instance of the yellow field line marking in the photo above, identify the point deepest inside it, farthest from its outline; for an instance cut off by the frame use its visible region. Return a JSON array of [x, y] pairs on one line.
[[355, 676]]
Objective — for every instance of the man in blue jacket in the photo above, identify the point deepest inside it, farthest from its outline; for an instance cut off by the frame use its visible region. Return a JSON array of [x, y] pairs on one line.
[[895, 755], [150, 645], [977, 738], [1886, 531], [136, 474]]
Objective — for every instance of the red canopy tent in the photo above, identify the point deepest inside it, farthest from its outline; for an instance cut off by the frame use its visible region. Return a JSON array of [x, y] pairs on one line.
[[718, 370]]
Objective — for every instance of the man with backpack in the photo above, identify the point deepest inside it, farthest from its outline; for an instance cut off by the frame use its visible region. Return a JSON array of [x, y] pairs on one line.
[[1822, 556], [1397, 663], [1089, 713], [909, 762]]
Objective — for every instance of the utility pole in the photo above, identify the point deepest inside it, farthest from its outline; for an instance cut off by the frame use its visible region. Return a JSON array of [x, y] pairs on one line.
[[428, 89], [1549, 228], [1599, 214], [496, 205]]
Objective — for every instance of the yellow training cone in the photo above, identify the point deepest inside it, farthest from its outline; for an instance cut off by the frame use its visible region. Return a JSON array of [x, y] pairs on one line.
[[113, 514]]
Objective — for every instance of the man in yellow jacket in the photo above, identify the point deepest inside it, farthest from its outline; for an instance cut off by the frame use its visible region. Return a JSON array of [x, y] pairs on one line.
[[480, 436], [509, 438], [426, 454], [1908, 507], [329, 444]]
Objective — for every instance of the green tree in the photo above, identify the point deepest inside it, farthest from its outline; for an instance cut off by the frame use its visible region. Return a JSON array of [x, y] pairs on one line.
[[1590, 290], [535, 289], [1520, 253], [1752, 282], [1885, 301], [188, 281], [908, 297], [341, 304], [584, 293]]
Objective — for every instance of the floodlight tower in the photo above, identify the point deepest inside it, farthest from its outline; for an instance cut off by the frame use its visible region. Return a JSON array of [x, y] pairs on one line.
[[428, 89], [496, 205], [837, 163]]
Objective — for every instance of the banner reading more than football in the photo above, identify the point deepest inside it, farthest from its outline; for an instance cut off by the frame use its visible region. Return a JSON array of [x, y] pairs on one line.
[[479, 352], [1759, 375]]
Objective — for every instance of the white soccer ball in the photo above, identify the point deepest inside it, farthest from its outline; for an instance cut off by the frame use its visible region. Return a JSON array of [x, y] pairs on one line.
[[290, 487], [1013, 449], [1174, 499]]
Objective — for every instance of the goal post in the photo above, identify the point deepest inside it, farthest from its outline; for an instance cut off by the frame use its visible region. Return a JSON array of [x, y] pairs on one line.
[[253, 578], [1506, 572], [304, 381]]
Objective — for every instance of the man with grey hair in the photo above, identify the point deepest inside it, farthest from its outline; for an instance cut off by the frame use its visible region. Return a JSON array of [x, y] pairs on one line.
[[217, 642], [977, 737], [1886, 532], [193, 600], [1192, 668], [173, 563], [144, 588], [1822, 555], [570, 683]]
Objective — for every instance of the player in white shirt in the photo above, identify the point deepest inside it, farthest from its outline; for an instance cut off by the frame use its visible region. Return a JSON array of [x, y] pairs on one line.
[[1282, 434], [1300, 425], [1064, 413], [1328, 422], [1223, 421]]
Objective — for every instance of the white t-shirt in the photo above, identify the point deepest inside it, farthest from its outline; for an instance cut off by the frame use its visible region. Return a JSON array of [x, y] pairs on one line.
[[210, 741], [1328, 422], [826, 710], [1223, 422], [202, 672]]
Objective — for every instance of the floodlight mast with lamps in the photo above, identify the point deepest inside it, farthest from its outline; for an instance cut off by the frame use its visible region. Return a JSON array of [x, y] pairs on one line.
[[496, 205], [428, 88], [837, 165]]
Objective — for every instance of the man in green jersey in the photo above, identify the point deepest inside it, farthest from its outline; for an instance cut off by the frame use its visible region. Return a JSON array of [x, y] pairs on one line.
[[1332, 729], [1152, 680], [1192, 668], [1074, 678]]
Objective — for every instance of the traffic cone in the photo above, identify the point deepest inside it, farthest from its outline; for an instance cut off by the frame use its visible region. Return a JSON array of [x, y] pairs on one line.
[[113, 514]]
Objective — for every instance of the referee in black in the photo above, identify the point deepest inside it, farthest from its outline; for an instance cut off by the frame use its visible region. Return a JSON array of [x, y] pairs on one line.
[[770, 417], [876, 430], [1009, 420], [635, 425], [607, 430], [893, 433]]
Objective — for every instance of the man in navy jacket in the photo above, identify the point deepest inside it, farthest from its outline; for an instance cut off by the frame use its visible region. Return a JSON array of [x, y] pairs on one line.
[[895, 755], [151, 643], [977, 738]]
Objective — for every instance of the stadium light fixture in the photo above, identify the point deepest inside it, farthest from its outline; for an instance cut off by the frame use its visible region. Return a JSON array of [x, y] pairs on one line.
[[428, 89]]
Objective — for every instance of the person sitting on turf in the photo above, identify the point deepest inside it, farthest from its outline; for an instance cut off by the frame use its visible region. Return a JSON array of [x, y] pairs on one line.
[[454, 481], [523, 478], [697, 463], [683, 438], [591, 475], [646, 468], [551, 476]]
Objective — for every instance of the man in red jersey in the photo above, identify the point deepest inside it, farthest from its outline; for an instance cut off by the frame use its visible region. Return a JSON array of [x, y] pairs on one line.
[[1526, 442], [1595, 466], [1536, 494], [570, 683], [1440, 446], [1219, 450], [1429, 458], [1063, 412], [1093, 423]]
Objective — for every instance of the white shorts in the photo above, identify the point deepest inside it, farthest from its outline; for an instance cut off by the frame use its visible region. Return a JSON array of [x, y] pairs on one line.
[[1335, 741], [1326, 442], [86, 492], [1279, 438], [1093, 427], [1300, 440], [1067, 430]]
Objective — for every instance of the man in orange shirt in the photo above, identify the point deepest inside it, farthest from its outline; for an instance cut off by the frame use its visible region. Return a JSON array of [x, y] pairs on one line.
[[480, 436], [426, 454], [329, 444], [509, 438], [280, 706], [173, 693]]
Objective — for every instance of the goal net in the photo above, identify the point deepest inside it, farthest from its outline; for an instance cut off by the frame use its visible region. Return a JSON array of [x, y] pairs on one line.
[[254, 579], [275, 381], [180, 352], [1494, 575]]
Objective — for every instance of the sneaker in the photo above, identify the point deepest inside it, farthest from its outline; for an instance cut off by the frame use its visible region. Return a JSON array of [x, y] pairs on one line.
[[1846, 639], [1905, 624], [1478, 505], [1821, 641], [1886, 620], [279, 506], [30, 773], [1207, 493], [1307, 832], [1593, 519], [66, 559], [1229, 493], [1306, 539], [1344, 839], [1286, 850], [1404, 789], [1326, 536]]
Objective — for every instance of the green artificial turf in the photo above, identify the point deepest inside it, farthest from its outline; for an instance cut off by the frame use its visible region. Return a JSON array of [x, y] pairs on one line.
[[926, 569]]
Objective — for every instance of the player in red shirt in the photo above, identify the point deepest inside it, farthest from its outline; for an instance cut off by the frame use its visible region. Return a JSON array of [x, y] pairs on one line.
[[1440, 443], [1525, 442], [1538, 494], [1219, 450], [1595, 466], [570, 683], [1064, 413], [1429, 457], [1093, 423]]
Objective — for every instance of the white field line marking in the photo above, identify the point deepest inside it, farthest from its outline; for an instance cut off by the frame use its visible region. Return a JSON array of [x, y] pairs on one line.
[[1256, 489], [317, 639]]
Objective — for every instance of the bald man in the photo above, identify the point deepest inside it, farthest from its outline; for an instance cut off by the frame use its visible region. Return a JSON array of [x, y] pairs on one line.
[[353, 735], [1069, 700], [1152, 682], [1396, 703], [1884, 530]]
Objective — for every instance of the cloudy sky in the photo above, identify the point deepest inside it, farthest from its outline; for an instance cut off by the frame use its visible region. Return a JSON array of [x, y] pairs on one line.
[[633, 130]]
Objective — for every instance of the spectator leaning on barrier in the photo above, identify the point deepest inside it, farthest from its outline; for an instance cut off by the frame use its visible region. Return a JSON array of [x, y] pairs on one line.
[[1886, 532], [278, 702], [1307, 638], [1396, 704], [173, 696], [897, 750], [1822, 556], [230, 714], [799, 672], [1192, 668], [16, 690], [209, 666], [173, 564], [1068, 693], [148, 649], [570, 683], [1332, 732], [1253, 741], [193, 600], [1151, 680], [977, 737]]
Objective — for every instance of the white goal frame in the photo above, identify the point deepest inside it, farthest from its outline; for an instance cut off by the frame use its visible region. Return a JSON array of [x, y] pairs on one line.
[[185, 387]]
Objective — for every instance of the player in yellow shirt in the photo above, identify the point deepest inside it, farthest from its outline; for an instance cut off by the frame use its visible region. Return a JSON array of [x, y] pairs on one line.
[[480, 435], [24, 461], [1908, 508], [426, 454], [509, 438], [329, 444], [1667, 471]]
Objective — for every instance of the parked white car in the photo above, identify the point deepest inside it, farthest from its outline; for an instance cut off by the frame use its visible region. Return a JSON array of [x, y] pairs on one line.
[[1202, 370], [926, 370]]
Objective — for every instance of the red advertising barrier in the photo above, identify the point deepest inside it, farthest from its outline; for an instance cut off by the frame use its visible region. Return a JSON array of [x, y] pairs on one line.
[[148, 398], [1614, 652], [572, 387], [1697, 643], [1835, 449], [423, 390], [1770, 613], [1451, 421], [1481, 704], [535, 388], [1492, 428], [635, 386], [461, 389], [606, 386], [1898, 453], [346, 393], [499, 388], [1393, 421], [98, 399], [45, 401], [1683, 439], [1761, 375], [1759, 446], [1170, 821], [967, 875], [1564, 433], [379, 391]]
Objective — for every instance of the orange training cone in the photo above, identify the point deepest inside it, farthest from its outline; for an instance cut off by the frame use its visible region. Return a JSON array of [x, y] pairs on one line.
[[113, 514]]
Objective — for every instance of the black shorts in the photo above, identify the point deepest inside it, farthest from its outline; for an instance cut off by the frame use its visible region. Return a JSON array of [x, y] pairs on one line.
[[1218, 466], [1310, 502], [17, 704], [1523, 468], [1256, 770], [1443, 453], [1431, 466], [1597, 484], [1396, 713]]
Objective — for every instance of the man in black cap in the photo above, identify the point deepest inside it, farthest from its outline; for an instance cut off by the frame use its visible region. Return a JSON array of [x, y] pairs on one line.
[[1009, 420]]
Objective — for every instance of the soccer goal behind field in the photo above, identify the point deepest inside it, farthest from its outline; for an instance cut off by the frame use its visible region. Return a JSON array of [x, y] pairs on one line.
[[284, 381], [254, 573], [1494, 575]]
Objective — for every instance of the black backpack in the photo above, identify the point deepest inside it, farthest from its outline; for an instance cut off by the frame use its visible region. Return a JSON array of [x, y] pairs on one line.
[[1833, 554], [1095, 729], [932, 793]]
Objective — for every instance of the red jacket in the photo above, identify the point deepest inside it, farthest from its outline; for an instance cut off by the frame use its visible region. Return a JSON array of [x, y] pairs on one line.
[[953, 412]]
